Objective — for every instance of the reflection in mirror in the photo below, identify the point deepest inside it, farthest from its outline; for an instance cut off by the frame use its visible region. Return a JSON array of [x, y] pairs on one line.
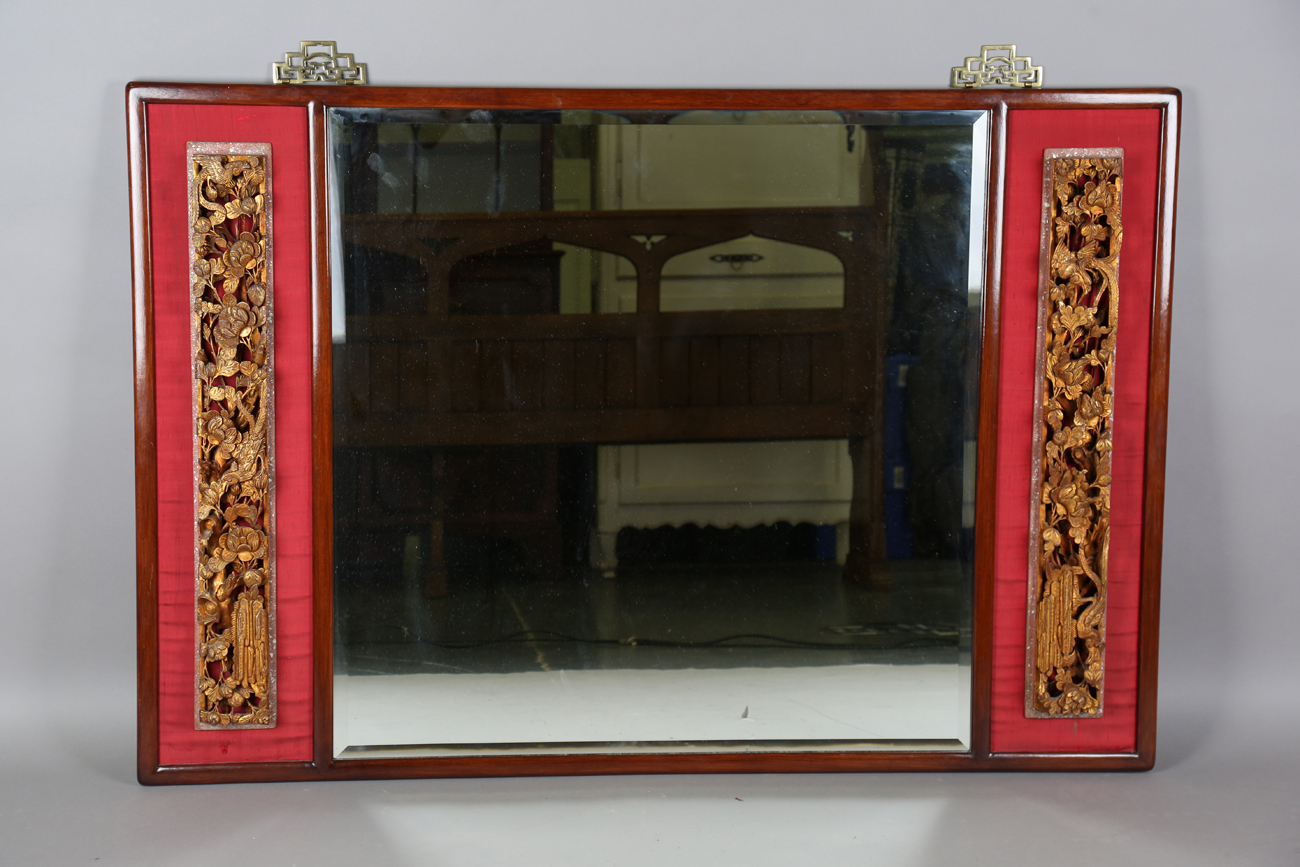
[[752, 273], [654, 432]]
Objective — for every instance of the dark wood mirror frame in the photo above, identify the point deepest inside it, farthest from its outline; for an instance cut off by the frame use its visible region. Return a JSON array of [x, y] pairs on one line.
[[1006, 732]]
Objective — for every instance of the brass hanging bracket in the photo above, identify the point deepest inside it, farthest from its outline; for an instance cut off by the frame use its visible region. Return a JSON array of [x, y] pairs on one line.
[[318, 62], [997, 64]]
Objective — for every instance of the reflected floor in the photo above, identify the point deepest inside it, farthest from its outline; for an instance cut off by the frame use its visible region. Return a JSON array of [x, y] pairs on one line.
[[837, 707], [657, 659], [673, 617]]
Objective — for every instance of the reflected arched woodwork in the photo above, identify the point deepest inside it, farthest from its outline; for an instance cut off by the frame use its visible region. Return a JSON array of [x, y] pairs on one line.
[[648, 376]]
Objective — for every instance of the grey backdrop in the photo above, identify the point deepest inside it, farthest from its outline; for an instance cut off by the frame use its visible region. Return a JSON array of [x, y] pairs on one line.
[[1228, 776]]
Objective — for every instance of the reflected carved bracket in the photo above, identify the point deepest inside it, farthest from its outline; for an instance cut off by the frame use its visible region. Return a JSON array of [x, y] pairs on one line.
[[1078, 316], [230, 332]]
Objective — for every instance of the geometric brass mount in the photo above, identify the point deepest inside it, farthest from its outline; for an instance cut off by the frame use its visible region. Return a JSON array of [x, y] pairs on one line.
[[997, 64], [318, 62]]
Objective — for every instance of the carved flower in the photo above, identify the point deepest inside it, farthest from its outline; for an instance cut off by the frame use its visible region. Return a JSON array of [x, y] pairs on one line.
[[203, 271], [1075, 699], [1071, 318], [1072, 376], [216, 564], [215, 649], [1099, 197], [243, 543], [210, 493], [209, 610], [1092, 411], [220, 431], [1102, 481], [1107, 166], [257, 484], [1072, 437], [241, 256], [1071, 207], [235, 322], [1071, 503]]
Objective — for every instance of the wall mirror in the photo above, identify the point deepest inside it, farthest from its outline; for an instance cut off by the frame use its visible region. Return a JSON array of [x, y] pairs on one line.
[[610, 434], [535, 431]]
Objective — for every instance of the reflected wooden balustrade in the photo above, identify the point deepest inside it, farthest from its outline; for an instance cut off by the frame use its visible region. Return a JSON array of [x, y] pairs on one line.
[[440, 378]]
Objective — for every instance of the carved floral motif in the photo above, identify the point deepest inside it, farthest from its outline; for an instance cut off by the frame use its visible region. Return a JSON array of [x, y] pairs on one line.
[[229, 192], [1076, 376]]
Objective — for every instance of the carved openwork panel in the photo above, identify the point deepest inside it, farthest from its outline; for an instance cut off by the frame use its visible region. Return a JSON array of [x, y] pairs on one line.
[[231, 328], [1078, 317]]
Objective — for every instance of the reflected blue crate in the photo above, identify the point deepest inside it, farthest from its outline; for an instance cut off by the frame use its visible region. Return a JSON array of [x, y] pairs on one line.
[[898, 468]]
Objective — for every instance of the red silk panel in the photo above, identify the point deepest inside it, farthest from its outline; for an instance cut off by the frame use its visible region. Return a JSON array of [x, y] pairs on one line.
[[1029, 132], [170, 128]]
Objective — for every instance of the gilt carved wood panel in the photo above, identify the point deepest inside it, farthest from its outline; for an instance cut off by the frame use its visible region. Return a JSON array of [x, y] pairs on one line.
[[231, 335], [1078, 317]]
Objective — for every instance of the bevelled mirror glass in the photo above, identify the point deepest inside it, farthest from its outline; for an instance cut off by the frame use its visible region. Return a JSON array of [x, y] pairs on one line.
[[654, 431]]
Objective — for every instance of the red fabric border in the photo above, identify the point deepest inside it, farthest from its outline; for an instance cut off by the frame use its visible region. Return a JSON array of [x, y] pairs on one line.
[[170, 127], [1029, 132]]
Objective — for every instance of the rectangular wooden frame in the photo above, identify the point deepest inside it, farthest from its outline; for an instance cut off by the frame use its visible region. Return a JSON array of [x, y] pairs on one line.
[[316, 101]]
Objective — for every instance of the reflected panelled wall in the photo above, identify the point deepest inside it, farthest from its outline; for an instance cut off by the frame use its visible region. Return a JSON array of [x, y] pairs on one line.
[[1141, 474], [569, 379]]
